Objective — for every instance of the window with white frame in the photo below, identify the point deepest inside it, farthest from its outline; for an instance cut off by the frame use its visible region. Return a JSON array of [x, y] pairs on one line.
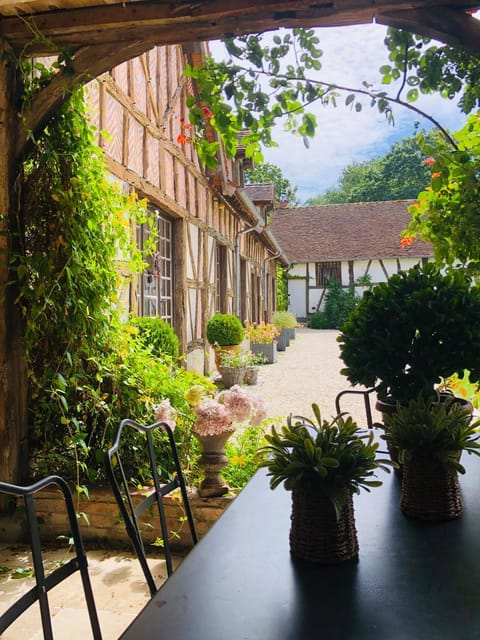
[[155, 285]]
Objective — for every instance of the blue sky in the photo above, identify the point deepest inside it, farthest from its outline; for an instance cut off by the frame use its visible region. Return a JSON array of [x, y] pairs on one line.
[[350, 56]]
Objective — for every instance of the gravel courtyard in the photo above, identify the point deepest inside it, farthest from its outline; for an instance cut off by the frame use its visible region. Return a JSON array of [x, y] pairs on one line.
[[307, 372]]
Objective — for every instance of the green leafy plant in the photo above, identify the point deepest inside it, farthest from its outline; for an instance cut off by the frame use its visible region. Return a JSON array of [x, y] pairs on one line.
[[240, 360], [224, 329], [409, 332], [462, 387], [447, 213], [331, 457], [284, 320], [158, 335], [242, 454], [86, 369], [440, 430]]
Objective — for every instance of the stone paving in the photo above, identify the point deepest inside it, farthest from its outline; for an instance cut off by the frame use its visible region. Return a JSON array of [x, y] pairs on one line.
[[308, 371]]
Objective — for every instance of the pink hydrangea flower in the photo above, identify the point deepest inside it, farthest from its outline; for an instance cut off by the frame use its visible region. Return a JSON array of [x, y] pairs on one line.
[[259, 412], [164, 412], [212, 418], [237, 402]]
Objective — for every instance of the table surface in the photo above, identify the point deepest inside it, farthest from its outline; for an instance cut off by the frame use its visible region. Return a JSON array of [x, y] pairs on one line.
[[415, 581]]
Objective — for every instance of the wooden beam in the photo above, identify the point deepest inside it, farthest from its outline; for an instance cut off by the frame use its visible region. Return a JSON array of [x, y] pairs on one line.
[[184, 21], [448, 25], [13, 376], [89, 62]]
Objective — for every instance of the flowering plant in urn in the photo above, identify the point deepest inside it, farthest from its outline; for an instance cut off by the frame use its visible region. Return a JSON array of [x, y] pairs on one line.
[[216, 419]]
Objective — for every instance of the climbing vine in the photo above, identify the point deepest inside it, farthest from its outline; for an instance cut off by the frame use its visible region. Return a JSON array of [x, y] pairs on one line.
[[86, 370]]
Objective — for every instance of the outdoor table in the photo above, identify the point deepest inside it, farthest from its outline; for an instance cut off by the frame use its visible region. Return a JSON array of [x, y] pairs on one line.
[[412, 581]]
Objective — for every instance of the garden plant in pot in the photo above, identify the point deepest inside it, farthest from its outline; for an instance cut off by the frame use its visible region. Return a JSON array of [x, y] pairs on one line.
[[430, 437], [322, 464], [225, 333], [407, 334], [285, 323]]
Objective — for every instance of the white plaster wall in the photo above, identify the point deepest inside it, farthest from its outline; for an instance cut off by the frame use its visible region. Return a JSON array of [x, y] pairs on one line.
[[296, 291], [193, 235]]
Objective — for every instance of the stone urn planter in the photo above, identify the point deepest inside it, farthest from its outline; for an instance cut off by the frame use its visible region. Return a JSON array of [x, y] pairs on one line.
[[212, 461]]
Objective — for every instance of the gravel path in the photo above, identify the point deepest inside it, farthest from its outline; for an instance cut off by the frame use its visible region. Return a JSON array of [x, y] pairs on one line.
[[307, 372]]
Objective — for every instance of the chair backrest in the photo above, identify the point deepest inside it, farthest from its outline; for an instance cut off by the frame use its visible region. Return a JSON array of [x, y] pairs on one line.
[[131, 510], [366, 400], [45, 583]]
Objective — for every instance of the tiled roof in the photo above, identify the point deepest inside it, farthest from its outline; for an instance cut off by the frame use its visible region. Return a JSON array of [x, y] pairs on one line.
[[261, 192], [346, 232]]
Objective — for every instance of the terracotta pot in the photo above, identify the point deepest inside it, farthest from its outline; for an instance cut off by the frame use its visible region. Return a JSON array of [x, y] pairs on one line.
[[233, 349]]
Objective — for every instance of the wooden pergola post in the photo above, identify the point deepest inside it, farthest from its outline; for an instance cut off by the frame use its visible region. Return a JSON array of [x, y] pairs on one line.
[[13, 382]]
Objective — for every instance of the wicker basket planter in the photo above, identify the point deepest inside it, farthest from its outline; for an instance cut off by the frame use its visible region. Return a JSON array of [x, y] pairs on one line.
[[251, 375], [429, 491], [232, 375], [316, 535]]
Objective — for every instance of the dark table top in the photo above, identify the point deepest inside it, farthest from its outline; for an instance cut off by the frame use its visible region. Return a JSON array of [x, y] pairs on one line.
[[412, 581]]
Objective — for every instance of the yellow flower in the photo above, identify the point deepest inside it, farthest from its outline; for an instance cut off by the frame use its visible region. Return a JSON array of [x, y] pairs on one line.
[[194, 395]]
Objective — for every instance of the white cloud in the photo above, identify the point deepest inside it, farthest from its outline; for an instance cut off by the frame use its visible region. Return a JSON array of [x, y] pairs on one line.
[[351, 55]]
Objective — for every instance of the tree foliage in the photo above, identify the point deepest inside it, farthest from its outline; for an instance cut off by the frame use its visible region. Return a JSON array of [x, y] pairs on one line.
[[400, 174], [448, 210], [270, 173], [425, 67]]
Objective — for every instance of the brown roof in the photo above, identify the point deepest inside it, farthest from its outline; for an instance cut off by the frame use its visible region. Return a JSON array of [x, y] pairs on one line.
[[345, 232], [261, 192]]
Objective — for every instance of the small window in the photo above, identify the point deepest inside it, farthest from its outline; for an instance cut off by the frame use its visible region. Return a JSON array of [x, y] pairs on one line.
[[327, 271]]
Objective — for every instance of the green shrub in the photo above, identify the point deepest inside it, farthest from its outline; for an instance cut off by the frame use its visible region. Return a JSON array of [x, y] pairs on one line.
[[224, 329], [284, 320], [242, 453], [339, 302], [158, 335]]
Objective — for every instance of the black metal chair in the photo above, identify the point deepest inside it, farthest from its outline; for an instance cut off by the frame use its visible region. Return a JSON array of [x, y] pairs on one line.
[[45, 583], [122, 490], [366, 399]]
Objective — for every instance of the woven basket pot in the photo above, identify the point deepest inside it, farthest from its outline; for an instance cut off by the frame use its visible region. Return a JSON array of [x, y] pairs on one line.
[[429, 491], [315, 533], [232, 375]]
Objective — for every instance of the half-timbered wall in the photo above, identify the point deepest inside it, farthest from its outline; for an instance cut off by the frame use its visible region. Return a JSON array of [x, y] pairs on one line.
[[139, 110], [307, 297]]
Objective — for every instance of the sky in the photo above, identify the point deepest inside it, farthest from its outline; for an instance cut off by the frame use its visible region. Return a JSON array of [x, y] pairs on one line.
[[351, 55]]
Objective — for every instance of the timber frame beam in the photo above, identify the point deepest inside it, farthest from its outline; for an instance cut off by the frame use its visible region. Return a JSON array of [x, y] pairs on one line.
[[71, 26]]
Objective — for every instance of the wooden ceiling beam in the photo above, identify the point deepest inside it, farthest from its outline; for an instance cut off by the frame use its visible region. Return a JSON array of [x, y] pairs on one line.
[[448, 25], [166, 23]]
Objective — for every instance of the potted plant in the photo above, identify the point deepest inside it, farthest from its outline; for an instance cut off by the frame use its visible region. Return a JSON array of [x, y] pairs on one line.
[[216, 419], [263, 340], [285, 320], [253, 360], [430, 437], [408, 333], [323, 465], [225, 333]]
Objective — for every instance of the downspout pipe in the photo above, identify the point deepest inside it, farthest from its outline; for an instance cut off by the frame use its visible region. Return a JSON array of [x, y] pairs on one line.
[[258, 227], [265, 283]]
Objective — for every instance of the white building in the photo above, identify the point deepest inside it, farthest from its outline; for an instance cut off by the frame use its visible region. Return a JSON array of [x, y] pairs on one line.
[[343, 242]]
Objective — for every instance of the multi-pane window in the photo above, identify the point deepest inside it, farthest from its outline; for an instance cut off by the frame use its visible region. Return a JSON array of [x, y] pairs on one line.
[[155, 285], [326, 271]]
